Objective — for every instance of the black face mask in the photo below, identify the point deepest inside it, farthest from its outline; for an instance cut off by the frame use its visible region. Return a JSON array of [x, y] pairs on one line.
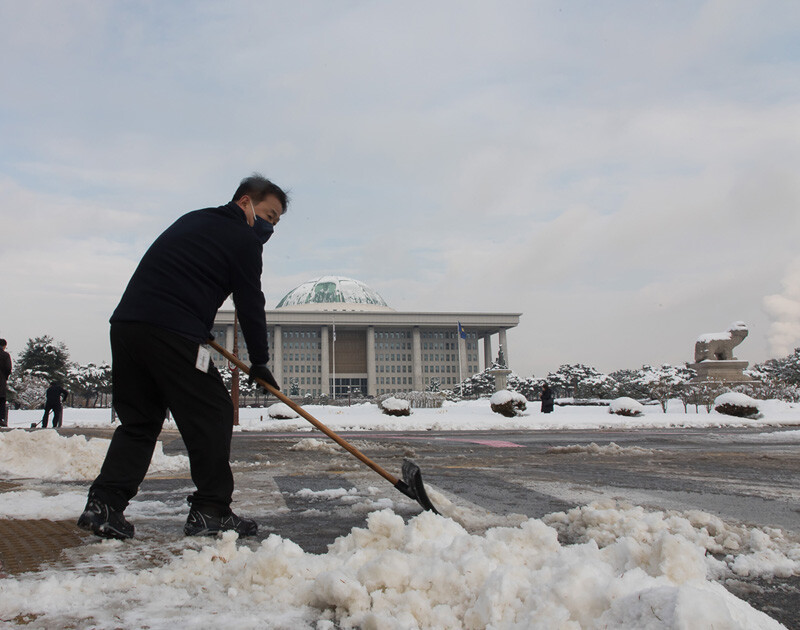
[[264, 229]]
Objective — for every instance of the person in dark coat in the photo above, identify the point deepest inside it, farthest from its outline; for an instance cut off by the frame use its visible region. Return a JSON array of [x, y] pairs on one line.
[[160, 359], [548, 399], [5, 373], [54, 401]]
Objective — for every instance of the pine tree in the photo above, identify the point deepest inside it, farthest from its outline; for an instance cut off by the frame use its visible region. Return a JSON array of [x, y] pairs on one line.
[[91, 382], [45, 358], [567, 379], [628, 385]]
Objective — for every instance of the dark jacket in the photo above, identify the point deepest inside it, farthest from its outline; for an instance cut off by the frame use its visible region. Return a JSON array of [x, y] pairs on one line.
[[548, 399], [5, 371], [55, 394], [191, 269]]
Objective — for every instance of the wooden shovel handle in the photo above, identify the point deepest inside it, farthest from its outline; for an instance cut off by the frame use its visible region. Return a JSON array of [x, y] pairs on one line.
[[284, 399]]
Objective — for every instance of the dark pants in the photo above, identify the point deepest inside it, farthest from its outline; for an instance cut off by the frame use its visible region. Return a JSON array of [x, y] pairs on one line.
[[154, 370], [58, 413], [3, 412]]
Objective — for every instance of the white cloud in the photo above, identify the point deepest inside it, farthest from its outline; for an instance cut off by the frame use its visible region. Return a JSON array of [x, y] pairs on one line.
[[784, 311], [616, 167]]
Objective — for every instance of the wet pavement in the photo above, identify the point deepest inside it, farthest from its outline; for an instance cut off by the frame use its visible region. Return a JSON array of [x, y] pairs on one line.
[[302, 494]]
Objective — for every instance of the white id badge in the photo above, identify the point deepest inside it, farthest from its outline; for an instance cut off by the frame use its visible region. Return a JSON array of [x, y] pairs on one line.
[[203, 359]]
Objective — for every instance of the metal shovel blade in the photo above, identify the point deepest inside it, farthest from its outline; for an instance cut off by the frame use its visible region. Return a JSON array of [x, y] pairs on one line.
[[411, 485]]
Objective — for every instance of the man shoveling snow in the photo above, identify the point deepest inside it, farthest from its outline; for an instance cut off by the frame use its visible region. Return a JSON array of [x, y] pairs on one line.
[[160, 360]]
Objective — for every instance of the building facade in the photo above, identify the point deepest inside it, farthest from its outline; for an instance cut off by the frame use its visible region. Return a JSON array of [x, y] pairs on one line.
[[334, 335]]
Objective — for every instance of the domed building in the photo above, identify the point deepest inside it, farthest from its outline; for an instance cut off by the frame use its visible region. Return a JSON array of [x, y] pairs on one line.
[[333, 293], [333, 335]]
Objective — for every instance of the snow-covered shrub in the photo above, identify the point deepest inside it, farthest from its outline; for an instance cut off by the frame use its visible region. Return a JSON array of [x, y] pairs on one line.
[[508, 404], [626, 407], [28, 390], [395, 407], [281, 411], [736, 404], [663, 383], [417, 400]]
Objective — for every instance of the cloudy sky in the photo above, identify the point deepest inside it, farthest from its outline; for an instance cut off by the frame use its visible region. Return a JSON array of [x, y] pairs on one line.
[[624, 174]]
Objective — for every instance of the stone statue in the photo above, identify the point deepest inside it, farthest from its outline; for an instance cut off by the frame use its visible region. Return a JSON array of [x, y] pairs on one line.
[[501, 358], [719, 346]]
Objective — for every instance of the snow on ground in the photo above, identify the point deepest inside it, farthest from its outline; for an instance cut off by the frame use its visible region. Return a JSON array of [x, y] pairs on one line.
[[778, 436], [44, 454], [608, 449], [315, 444], [470, 415], [32, 504], [647, 570], [602, 565]]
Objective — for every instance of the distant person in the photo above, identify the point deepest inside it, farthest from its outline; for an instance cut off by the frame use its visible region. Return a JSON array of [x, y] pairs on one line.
[[548, 399], [159, 333], [54, 401], [5, 373]]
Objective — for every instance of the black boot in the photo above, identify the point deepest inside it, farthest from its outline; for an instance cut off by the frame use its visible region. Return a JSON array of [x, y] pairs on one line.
[[100, 519], [200, 524]]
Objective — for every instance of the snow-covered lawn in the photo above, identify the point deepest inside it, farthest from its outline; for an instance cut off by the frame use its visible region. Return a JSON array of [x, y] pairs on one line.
[[472, 415], [604, 565]]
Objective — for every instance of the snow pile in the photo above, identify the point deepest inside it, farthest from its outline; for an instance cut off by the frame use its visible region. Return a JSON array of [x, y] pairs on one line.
[[626, 407], [313, 444], [48, 455], [744, 551], [609, 449], [282, 411], [428, 573]]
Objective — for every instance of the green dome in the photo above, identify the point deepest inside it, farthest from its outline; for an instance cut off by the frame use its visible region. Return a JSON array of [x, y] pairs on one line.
[[333, 293]]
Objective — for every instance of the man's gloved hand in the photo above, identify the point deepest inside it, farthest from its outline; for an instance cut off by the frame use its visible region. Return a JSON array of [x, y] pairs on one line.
[[262, 372]]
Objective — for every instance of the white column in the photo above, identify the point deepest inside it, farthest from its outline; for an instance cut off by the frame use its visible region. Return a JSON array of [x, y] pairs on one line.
[[229, 337], [277, 354], [371, 369], [504, 346], [416, 359], [462, 358], [487, 352], [326, 361]]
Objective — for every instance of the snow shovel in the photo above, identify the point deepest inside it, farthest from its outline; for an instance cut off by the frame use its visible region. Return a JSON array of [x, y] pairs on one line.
[[410, 485]]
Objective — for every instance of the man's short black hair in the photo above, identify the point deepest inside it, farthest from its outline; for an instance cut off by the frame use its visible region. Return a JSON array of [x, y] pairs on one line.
[[3, 343], [258, 187]]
